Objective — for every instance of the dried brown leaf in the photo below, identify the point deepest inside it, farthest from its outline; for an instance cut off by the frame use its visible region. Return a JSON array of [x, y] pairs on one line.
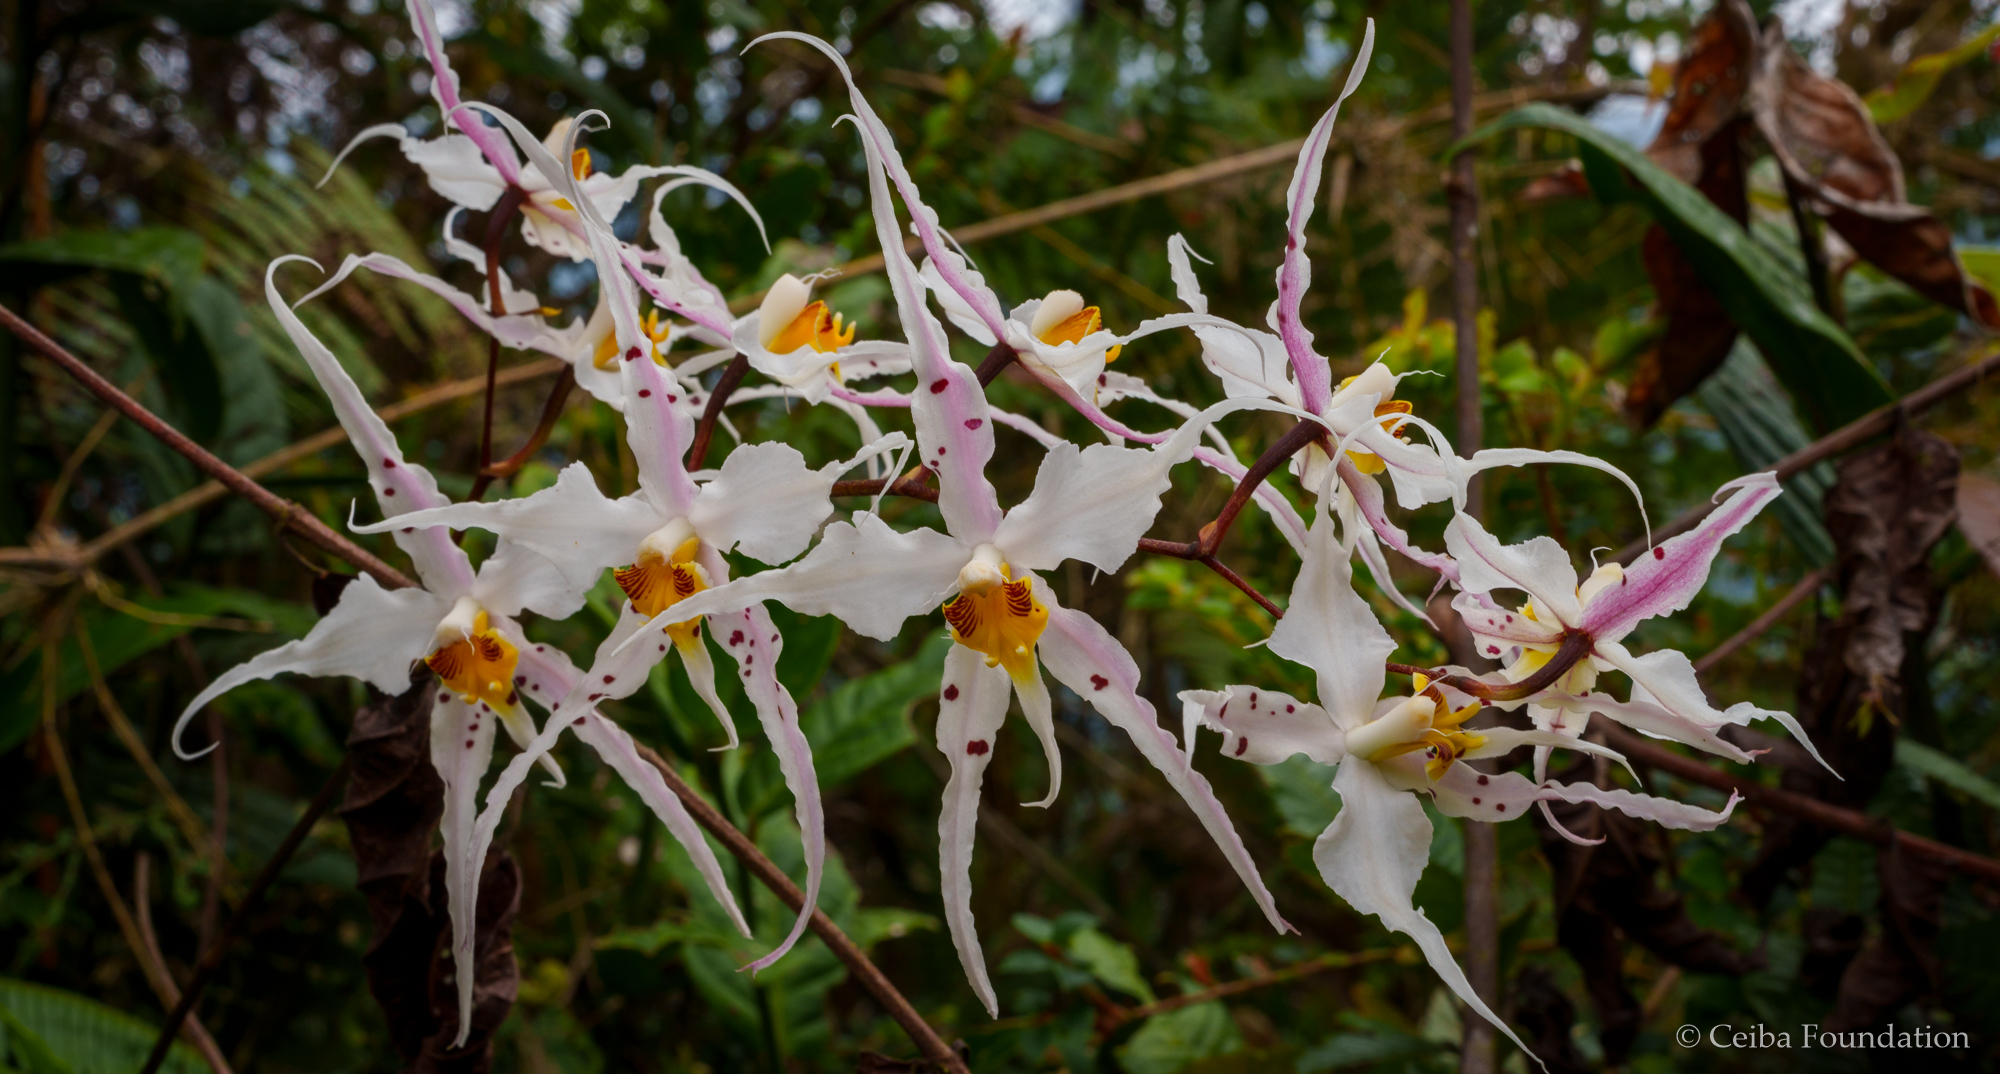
[[1979, 516]]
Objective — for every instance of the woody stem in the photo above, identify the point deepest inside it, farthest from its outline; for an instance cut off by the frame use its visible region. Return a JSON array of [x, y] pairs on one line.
[[496, 230], [732, 375], [1576, 646]]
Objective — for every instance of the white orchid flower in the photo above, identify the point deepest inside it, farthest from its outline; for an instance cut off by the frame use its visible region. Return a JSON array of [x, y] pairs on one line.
[[461, 623], [804, 345], [1091, 505], [1389, 751], [1595, 617]]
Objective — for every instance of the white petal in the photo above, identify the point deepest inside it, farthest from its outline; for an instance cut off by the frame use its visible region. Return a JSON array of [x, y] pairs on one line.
[[522, 329], [1330, 629], [700, 666], [1265, 726], [1464, 792], [1650, 719], [866, 574], [1666, 678], [1500, 741], [956, 308], [1498, 629], [400, 485], [1373, 853], [766, 503], [970, 711], [756, 655], [1035, 706], [461, 750], [444, 89], [1084, 657], [1093, 504], [516, 578], [1538, 567], [457, 170], [371, 634]]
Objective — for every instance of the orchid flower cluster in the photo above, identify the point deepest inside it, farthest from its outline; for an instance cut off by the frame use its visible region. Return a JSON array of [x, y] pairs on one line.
[[667, 542]]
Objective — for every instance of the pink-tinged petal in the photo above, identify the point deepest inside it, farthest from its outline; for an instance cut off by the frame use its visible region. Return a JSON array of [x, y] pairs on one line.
[[461, 750], [1666, 577], [1264, 726], [1035, 706], [971, 708], [1647, 719], [1538, 567], [1370, 551], [444, 86], [954, 430], [766, 502], [1093, 504], [1466, 792], [400, 485], [756, 658], [700, 667], [1373, 853], [371, 634], [1369, 502], [946, 275], [1497, 629], [1330, 629], [614, 745], [523, 328], [570, 524], [1315, 378], [1666, 678], [946, 265], [1500, 741], [864, 573], [1084, 657], [1026, 426]]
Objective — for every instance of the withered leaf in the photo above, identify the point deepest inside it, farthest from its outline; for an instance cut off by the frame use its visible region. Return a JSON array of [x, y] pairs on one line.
[[1709, 84], [1828, 144], [1979, 516], [1890, 506]]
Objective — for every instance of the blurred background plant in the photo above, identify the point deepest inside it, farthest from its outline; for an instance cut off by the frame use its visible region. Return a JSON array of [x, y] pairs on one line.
[[158, 153]]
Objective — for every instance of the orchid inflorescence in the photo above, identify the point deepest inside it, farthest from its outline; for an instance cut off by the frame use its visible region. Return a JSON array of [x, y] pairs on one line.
[[666, 542]]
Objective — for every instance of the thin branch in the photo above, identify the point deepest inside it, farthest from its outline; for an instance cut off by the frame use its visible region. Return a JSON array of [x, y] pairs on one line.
[[192, 829], [767, 872], [1798, 595], [1852, 435], [142, 912], [704, 430], [1576, 645], [289, 515], [551, 413], [154, 973], [1332, 960], [1846, 821], [496, 231], [995, 363], [211, 959]]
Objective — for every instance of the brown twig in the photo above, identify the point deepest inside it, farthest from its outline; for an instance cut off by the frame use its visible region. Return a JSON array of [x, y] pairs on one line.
[[496, 231], [551, 413], [1575, 647], [914, 487], [289, 515], [767, 872], [995, 363], [192, 829], [1798, 595], [704, 430], [142, 912], [1852, 435], [211, 959], [1332, 960], [1846, 821]]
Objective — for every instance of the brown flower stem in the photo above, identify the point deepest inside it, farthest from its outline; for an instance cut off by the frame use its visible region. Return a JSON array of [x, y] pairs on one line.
[[551, 412], [142, 912], [767, 872], [995, 363], [1575, 647], [496, 230], [704, 430], [916, 488], [211, 959], [1852, 435], [1846, 821], [289, 515], [1191, 550]]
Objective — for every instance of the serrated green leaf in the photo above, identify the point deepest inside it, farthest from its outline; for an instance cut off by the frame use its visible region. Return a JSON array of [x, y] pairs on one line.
[[1812, 356]]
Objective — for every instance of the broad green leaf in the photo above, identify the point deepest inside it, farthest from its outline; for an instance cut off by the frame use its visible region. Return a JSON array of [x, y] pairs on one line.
[[1109, 961], [1982, 262], [88, 1036], [179, 353], [253, 421], [1303, 792], [25, 1049], [1913, 85], [1811, 355], [1945, 769], [165, 254], [1169, 1042]]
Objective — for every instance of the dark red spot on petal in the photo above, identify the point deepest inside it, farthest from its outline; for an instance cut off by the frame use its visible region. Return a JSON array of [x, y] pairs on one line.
[[1483, 781], [1291, 708], [1099, 682], [520, 680], [1510, 618], [444, 697], [388, 492], [388, 464], [1475, 801], [774, 637], [939, 385], [976, 747], [940, 449], [1102, 380], [974, 423], [594, 697], [645, 393], [663, 648], [1253, 701], [468, 743], [1493, 650], [513, 697], [579, 722], [736, 637], [951, 692], [1501, 806], [541, 648], [409, 529], [610, 679], [1241, 745], [1659, 553], [671, 399], [631, 354]]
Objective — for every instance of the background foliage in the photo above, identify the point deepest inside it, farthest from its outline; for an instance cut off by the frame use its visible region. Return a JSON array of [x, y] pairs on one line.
[[161, 152]]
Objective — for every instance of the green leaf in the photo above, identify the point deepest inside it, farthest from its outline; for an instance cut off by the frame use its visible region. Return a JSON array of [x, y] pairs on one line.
[[1169, 1042], [25, 1049], [87, 1036], [1947, 770], [179, 353], [1303, 792], [1913, 85], [1109, 961], [253, 420], [1756, 418], [165, 254], [1812, 356]]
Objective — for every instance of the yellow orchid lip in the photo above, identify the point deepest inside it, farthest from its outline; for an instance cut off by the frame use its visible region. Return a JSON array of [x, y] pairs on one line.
[[1063, 318], [657, 330], [997, 616], [815, 326], [656, 582], [478, 666], [1423, 722], [1388, 409]]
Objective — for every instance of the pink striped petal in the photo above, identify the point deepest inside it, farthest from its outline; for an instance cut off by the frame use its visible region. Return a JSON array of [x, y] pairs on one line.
[[1667, 576]]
